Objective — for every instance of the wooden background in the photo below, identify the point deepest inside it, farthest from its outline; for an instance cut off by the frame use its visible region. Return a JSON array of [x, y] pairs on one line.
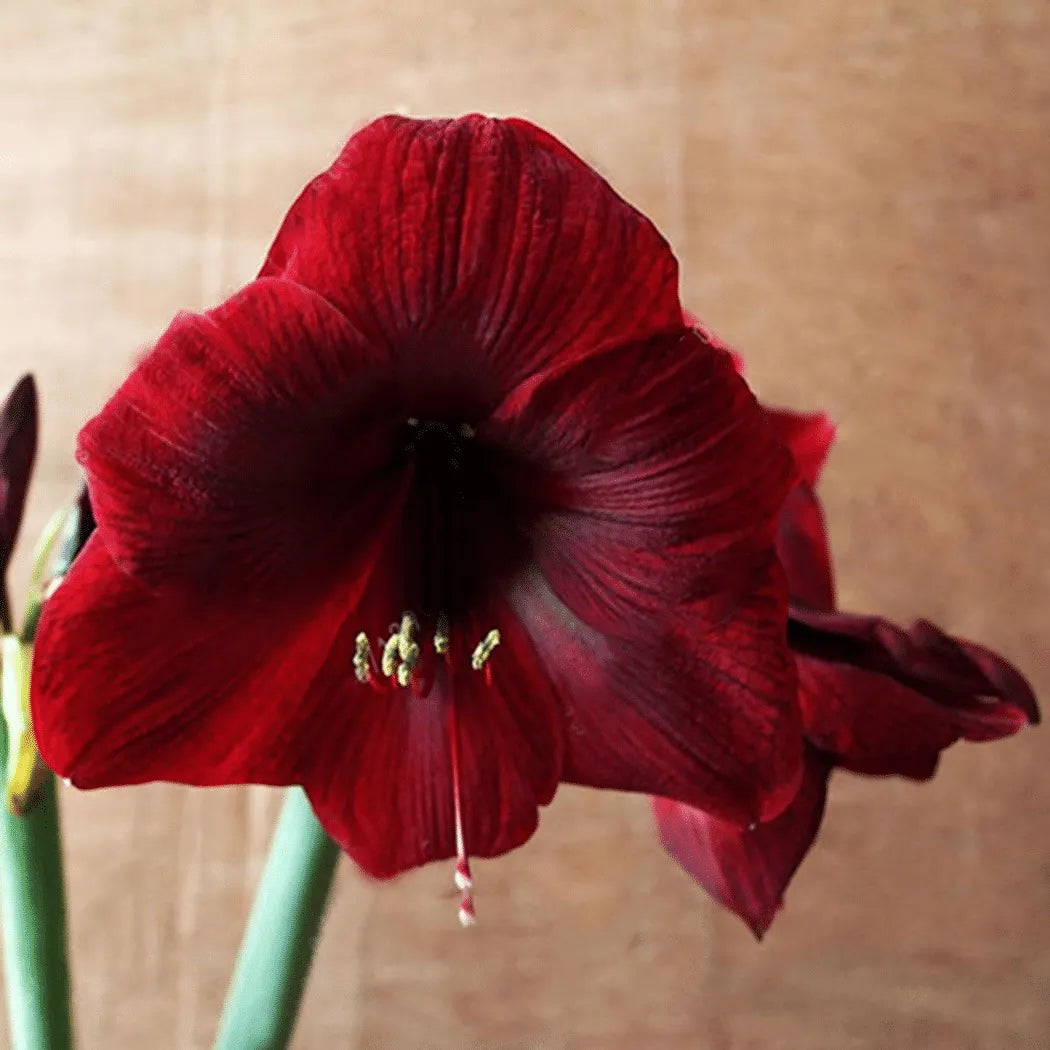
[[860, 197]]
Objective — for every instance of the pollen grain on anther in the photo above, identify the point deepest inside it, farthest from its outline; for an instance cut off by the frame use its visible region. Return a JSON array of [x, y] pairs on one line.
[[442, 637], [388, 663], [363, 662], [484, 649]]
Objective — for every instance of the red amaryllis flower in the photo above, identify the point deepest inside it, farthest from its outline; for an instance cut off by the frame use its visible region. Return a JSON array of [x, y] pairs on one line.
[[875, 699], [448, 506], [18, 433]]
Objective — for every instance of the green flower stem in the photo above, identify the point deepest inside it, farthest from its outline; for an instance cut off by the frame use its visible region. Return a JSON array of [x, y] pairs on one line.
[[279, 941], [33, 905]]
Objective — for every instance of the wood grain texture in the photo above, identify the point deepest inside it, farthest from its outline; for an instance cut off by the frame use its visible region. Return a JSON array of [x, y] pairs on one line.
[[860, 198]]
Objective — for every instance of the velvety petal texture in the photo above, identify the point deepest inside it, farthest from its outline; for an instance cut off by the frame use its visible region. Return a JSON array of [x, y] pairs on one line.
[[245, 445], [447, 506], [702, 720], [874, 698], [162, 685], [478, 251], [660, 593]]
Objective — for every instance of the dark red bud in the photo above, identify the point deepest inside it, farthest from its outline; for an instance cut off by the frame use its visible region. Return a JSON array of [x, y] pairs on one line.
[[18, 430]]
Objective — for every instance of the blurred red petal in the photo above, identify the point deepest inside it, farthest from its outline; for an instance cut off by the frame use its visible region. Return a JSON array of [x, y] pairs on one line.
[[883, 700], [747, 870], [809, 435]]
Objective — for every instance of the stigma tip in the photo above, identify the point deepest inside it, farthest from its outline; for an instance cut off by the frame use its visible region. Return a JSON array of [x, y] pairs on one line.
[[467, 915]]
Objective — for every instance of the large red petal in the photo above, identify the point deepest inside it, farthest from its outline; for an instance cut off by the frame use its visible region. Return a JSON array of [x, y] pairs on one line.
[[133, 684], [802, 543], [242, 442], [656, 600], [659, 477], [747, 870], [387, 795], [809, 435], [481, 249], [704, 714], [883, 700]]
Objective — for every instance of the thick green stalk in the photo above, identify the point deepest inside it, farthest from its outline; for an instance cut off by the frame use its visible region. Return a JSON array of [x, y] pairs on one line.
[[33, 906], [279, 941]]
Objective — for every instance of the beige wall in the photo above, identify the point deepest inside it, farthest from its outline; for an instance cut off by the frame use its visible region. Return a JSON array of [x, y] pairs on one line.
[[860, 197]]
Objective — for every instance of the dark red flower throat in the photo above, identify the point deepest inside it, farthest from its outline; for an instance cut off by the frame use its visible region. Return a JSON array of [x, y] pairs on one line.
[[449, 482]]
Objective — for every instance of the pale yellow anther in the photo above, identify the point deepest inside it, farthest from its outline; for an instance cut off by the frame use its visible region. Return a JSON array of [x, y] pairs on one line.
[[484, 649], [362, 657], [401, 651], [442, 638], [406, 640], [388, 663]]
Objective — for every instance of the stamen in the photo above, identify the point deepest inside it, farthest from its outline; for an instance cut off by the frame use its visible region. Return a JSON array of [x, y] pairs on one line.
[[362, 658], [400, 653], [390, 654], [407, 648], [442, 638], [406, 640], [484, 649]]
